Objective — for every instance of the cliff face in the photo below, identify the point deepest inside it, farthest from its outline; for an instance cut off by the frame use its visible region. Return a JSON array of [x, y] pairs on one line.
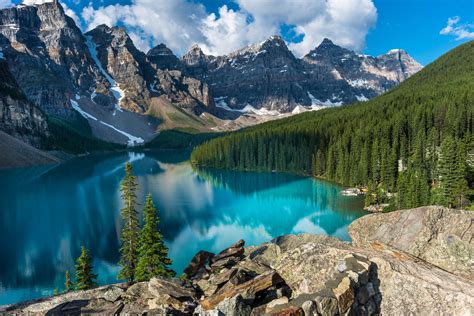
[[18, 116], [47, 56], [291, 275]]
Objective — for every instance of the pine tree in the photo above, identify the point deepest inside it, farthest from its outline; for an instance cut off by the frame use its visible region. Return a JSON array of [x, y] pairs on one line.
[[130, 231], [84, 271], [153, 258], [68, 283]]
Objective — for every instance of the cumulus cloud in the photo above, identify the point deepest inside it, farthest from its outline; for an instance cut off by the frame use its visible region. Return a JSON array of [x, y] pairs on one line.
[[460, 31], [181, 23], [33, 2]]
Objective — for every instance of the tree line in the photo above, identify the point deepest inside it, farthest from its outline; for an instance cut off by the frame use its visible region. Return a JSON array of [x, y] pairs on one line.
[[412, 146], [143, 254]]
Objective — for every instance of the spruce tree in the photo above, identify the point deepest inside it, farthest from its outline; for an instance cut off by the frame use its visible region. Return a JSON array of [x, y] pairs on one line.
[[153, 258], [68, 283], [448, 172], [130, 231], [84, 271]]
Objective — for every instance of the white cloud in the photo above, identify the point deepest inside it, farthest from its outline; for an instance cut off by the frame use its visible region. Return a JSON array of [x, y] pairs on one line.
[[33, 2], [181, 23], [71, 13], [461, 31]]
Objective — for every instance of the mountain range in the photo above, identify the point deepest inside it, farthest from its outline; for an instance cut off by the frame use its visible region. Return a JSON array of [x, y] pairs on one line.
[[99, 83]]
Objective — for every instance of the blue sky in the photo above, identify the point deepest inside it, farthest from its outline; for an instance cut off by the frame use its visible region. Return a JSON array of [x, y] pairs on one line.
[[219, 26]]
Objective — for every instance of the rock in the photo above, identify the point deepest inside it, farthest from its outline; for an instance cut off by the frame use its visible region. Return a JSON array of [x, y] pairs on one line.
[[366, 293], [310, 308], [289, 311], [276, 302], [199, 261], [344, 294], [326, 306], [247, 289], [234, 306], [172, 287], [226, 262], [441, 236], [236, 250]]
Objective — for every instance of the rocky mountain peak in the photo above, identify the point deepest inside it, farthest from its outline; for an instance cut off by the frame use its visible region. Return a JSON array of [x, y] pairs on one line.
[[164, 58], [195, 56], [160, 50], [327, 49]]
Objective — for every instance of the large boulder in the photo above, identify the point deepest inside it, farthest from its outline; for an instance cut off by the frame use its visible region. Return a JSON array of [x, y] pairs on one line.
[[441, 236]]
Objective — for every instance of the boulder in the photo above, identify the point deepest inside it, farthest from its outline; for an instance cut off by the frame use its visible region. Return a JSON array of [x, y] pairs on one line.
[[247, 289], [199, 261], [441, 236], [236, 250]]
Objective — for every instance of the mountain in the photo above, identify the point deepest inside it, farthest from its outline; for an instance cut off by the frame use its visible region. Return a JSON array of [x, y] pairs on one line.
[[99, 85], [415, 140], [268, 76]]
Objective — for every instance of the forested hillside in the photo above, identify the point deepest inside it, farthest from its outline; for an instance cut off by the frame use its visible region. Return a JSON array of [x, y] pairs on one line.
[[416, 140]]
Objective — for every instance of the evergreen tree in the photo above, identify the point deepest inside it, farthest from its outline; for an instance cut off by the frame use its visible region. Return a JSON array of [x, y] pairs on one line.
[[130, 231], [153, 258], [68, 283], [84, 271]]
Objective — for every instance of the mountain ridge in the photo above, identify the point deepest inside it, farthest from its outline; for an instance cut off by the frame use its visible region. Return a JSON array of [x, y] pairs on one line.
[[100, 75]]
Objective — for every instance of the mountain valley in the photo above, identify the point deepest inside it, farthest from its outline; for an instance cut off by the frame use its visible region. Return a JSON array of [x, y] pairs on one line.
[[100, 83]]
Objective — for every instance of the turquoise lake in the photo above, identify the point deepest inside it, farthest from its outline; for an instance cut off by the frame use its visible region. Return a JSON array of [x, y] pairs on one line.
[[48, 212]]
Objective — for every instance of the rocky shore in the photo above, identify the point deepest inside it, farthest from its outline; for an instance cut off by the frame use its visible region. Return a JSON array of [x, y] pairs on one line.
[[411, 262]]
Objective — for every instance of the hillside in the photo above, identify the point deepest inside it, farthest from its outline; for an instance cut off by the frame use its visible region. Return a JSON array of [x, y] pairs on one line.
[[16, 154], [415, 140]]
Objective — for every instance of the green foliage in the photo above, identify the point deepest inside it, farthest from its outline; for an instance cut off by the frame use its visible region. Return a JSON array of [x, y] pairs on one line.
[[68, 283], [392, 141], [183, 277], [153, 258], [84, 271], [452, 169], [130, 231]]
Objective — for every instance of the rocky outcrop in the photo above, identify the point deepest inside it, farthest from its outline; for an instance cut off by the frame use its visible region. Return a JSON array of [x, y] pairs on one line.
[[441, 236], [293, 275]]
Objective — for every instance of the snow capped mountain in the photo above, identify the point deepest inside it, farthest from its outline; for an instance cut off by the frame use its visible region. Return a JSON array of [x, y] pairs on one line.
[[102, 77]]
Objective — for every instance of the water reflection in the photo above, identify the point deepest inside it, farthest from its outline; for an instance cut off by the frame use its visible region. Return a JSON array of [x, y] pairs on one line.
[[47, 213]]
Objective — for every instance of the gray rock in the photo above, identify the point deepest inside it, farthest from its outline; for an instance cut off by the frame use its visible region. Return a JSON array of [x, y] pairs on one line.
[[310, 308], [441, 236], [234, 306]]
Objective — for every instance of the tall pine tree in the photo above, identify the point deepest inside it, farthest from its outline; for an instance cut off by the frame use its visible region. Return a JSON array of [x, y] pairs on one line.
[[130, 231], [84, 271], [68, 283], [153, 258]]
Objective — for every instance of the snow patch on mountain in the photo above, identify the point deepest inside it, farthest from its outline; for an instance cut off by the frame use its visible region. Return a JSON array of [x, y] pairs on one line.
[[132, 140], [118, 93]]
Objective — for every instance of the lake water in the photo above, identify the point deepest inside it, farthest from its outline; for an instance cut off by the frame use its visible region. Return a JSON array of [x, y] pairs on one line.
[[48, 212]]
